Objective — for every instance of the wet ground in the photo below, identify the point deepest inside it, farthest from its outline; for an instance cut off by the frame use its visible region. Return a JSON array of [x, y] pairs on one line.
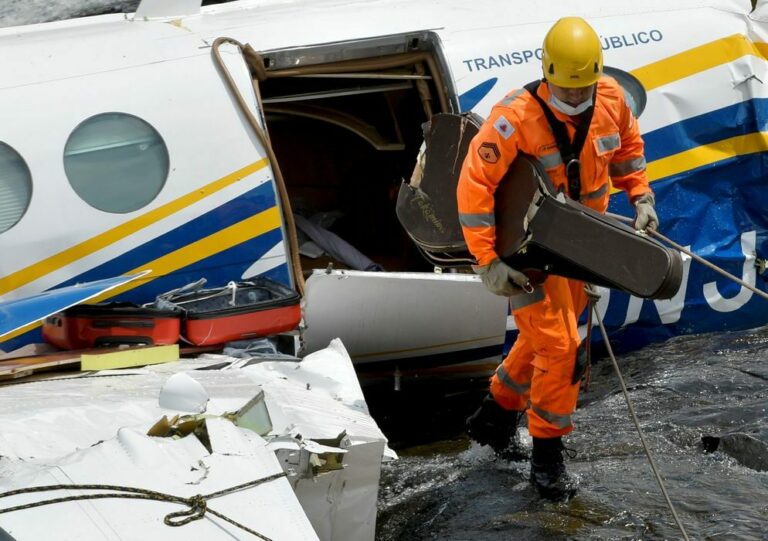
[[445, 488]]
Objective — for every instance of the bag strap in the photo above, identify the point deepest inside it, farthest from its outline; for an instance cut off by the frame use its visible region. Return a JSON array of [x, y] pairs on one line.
[[569, 150]]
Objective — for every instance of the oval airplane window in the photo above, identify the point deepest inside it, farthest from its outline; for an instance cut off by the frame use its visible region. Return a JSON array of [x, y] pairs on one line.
[[116, 162], [634, 92], [15, 187]]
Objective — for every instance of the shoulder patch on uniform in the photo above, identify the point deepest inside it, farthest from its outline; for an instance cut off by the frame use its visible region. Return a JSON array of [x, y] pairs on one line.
[[489, 152], [504, 127]]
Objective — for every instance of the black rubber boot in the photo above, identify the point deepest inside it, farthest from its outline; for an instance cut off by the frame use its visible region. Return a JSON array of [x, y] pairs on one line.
[[494, 426], [548, 473]]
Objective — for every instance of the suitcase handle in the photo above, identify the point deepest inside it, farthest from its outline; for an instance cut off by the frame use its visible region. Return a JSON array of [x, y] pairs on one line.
[[107, 323], [107, 341]]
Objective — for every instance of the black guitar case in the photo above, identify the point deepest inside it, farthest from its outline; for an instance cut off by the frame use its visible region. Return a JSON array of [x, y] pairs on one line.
[[538, 230]]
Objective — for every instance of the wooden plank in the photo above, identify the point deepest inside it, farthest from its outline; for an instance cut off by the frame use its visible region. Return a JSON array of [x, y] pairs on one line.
[[29, 350], [34, 359], [140, 356], [20, 367], [17, 367], [17, 375], [67, 354]]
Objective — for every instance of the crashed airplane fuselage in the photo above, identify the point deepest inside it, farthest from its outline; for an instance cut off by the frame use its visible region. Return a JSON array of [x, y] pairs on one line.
[[179, 142]]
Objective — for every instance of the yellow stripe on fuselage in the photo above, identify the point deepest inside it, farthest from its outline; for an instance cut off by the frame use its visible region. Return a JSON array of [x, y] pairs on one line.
[[224, 239], [689, 63], [698, 59], [85, 248], [700, 156], [707, 154]]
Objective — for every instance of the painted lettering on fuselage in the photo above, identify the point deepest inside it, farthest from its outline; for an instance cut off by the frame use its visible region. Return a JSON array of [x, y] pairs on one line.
[[516, 58], [670, 310]]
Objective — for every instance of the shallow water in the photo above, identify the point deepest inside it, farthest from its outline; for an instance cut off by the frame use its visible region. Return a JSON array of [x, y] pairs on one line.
[[682, 390], [20, 12]]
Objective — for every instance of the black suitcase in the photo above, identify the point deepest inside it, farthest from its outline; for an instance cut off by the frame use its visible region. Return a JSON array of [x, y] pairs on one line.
[[426, 207]]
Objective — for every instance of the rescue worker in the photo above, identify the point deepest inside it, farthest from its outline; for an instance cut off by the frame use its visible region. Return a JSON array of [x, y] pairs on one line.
[[541, 375]]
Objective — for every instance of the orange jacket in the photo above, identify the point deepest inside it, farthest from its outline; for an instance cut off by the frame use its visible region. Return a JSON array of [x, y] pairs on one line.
[[613, 147]]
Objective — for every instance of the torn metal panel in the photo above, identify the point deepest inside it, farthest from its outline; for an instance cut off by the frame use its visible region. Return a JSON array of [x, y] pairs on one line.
[[342, 504], [320, 423], [306, 459], [181, 468]]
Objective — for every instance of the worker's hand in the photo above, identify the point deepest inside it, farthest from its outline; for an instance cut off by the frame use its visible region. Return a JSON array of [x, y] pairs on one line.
[[645, 215], [501, 279]]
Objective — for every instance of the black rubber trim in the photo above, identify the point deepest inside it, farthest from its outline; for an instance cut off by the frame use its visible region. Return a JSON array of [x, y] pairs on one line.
[[247, 309], [119, 309]]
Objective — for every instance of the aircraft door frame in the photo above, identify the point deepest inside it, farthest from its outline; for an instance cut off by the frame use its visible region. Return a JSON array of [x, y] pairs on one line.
[[256, 121]]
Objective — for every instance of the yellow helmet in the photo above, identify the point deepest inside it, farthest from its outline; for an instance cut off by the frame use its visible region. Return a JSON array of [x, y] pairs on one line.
[[572, 56]]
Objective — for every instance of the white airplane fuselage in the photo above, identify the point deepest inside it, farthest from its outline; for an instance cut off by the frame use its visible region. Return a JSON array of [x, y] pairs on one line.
[[139, 156]]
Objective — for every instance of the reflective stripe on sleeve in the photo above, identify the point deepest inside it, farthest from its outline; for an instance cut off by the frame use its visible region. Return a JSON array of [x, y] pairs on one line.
[[477, 220], [519, 388], [597, 194], [512, 97], [560, 421], [553, 159], [608, 143], [523, 299], [620, 169]]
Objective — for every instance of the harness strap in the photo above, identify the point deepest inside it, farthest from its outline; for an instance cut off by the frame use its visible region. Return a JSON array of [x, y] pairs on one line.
[[569, 150]]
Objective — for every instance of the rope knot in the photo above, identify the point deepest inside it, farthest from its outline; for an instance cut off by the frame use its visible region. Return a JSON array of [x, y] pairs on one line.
[[198, 505], [197, 508]]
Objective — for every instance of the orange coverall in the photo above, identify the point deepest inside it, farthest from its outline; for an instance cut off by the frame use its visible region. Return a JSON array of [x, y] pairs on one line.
[[538, 371]]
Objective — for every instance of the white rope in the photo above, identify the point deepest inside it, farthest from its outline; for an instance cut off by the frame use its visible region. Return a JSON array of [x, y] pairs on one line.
[[656, 473]]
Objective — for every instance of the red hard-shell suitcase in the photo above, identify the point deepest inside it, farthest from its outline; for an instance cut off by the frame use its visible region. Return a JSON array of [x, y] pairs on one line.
[[252, 309], [110, 324]]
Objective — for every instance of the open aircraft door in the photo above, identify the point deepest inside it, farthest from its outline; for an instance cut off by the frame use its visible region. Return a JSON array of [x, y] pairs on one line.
[[375, 94]]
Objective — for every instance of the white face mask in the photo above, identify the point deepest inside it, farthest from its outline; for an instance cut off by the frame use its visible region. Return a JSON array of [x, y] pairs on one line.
[[569, 110]]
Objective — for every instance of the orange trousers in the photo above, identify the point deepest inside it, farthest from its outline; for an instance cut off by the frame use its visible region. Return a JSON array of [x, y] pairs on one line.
[[537, 372]]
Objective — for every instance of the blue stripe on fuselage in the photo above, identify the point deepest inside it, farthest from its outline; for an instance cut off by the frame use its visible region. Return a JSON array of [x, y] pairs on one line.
[[469, 99], [740, 119], [230, 213]]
